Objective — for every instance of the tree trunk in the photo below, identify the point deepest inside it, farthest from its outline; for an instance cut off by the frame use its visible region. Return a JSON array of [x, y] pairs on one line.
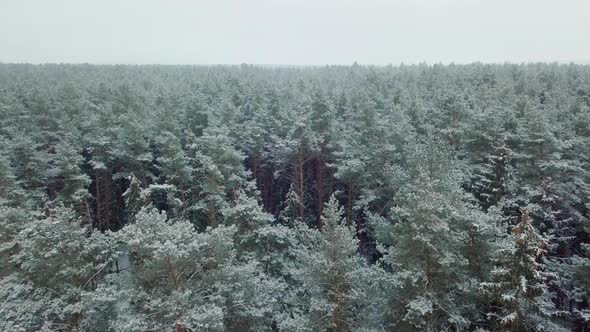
[[184, 201], [98, 201], [88, 214], [266, 186], [349, 204], [213, 186], [428, 270], [270, 200], [255, 168], [330, 183], [52, 193], [320, 184], [108, 200], [174, 277], [301, 185]]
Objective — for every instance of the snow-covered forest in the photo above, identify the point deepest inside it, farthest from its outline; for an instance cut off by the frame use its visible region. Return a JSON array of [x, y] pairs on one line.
[[337, 198]]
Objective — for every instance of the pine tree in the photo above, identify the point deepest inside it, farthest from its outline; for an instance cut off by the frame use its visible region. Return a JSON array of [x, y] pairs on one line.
[[15, 211], [329, 274], [183, 280], [220, 173], [424, 244], [135, 198], [132, 146], [57, 263], [519, 280], [67, 184], [174, 170]]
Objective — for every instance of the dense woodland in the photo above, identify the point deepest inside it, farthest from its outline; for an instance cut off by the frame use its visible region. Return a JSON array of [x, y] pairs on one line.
[[337, 198]]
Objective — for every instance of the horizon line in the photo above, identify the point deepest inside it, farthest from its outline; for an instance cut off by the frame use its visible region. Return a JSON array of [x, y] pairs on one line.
[[286, 65]]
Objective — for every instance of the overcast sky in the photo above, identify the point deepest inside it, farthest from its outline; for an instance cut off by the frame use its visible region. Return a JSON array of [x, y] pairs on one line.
[[304, 32]]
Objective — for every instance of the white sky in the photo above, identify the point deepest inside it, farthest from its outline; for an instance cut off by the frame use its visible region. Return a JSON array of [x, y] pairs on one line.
[[304, 32]]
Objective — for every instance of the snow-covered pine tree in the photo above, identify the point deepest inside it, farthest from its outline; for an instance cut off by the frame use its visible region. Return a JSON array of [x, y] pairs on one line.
[[135, 198], [518, 281], [219, 172], [182, 280], [57, 263], [330, 274], [175, 173], [425, 241]]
